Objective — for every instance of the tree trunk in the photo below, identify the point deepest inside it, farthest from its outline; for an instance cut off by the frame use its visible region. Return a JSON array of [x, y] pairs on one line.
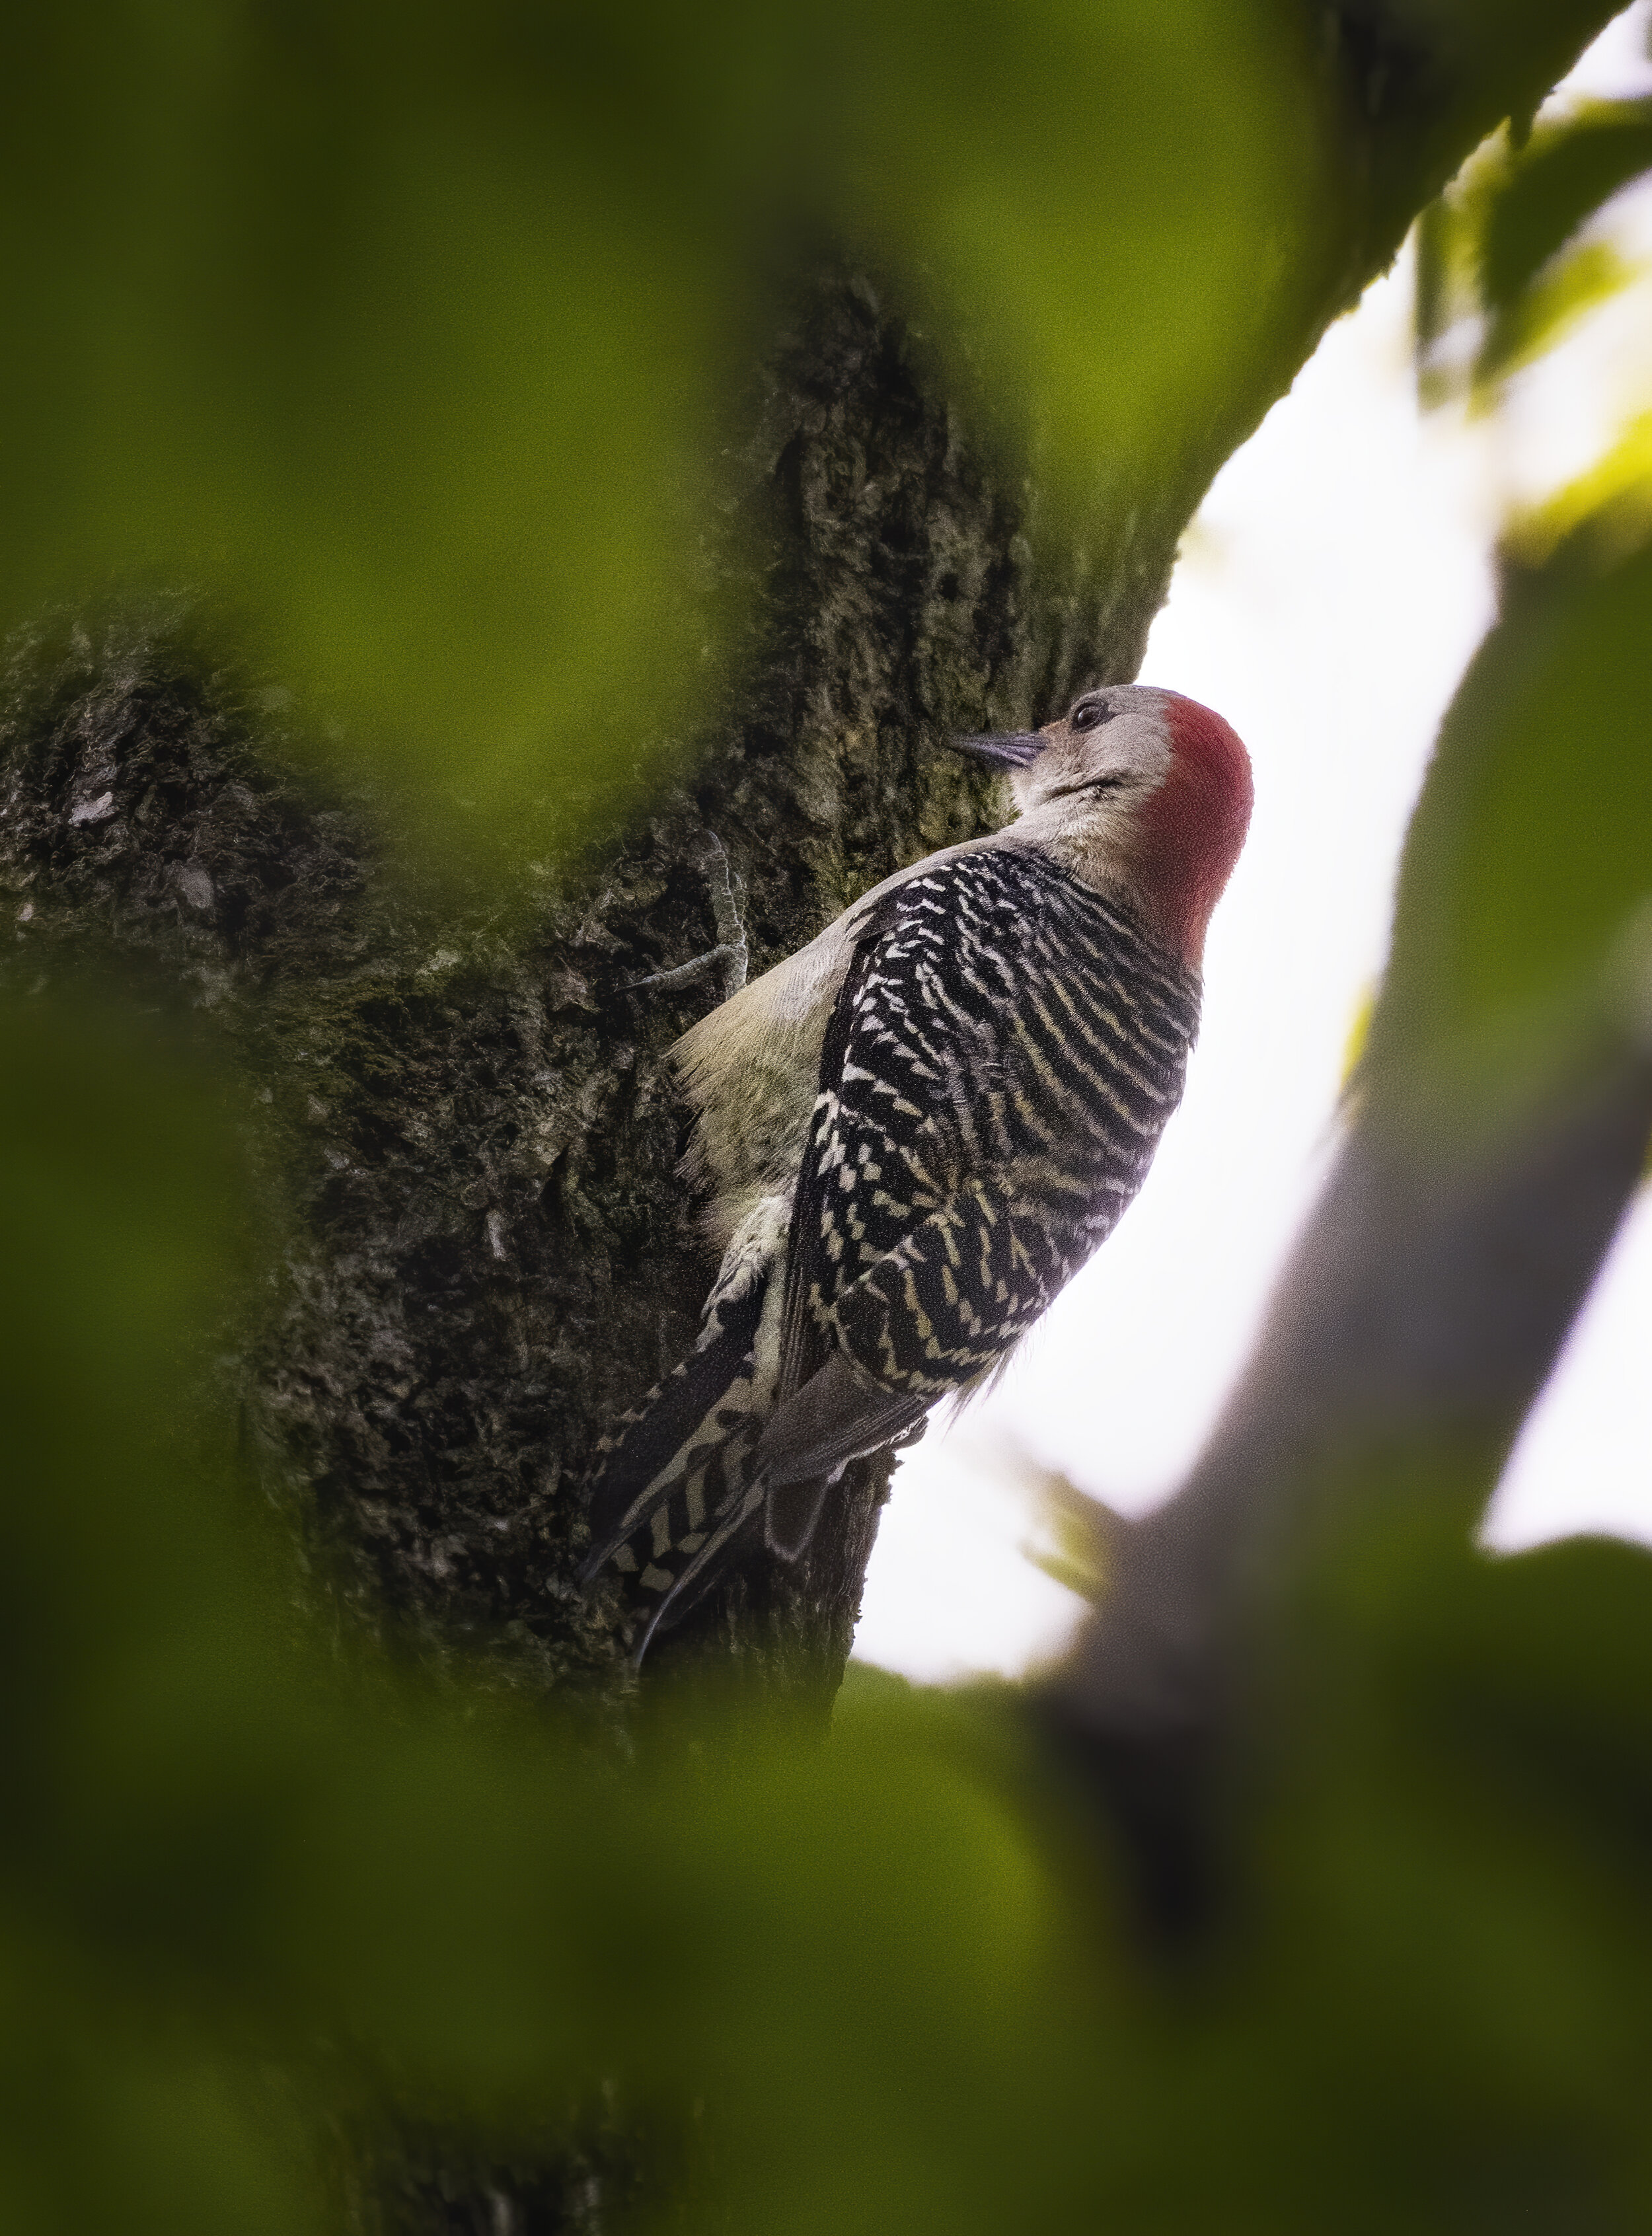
[[467, 1119], [463, 1105], [490, 1252]]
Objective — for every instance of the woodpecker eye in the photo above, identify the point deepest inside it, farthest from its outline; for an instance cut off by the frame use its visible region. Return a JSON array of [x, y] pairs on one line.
[[1090, 714]]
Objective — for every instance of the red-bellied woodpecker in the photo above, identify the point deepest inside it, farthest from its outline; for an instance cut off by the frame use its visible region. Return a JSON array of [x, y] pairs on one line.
[[921, 1124]]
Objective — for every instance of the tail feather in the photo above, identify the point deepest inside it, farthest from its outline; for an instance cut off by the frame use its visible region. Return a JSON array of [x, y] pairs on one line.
[[726, 1444], [698, 1558], [660, 1452], [791, 1512], [684, 1528]]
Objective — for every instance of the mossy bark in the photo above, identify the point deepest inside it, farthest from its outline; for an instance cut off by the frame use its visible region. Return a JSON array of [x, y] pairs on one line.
[[467, 1119], [471, 1132], [489, 1250]]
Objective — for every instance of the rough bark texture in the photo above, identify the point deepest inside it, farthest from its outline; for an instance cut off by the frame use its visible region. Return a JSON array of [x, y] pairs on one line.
[[468, 1118], [488, 1252], [491, 1252]]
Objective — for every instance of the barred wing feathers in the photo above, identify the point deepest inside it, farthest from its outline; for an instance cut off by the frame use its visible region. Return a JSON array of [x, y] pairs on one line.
[[1011, 1046], [1001, 1060]]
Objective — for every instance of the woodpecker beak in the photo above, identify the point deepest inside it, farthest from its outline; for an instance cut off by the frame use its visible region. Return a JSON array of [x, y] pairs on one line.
[[1004, 749]]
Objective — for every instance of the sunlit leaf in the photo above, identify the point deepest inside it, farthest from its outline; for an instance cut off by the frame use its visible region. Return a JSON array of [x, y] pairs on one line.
[[1531, 853], [1489, 249], [1609, 509], [1543, 313], [1561, 179]]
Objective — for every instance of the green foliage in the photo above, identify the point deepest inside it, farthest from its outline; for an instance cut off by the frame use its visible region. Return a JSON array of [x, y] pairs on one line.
[[1522, 927], [1562, 178], [1501, 246], [1521, 914], [407, 332], [881, 1985]]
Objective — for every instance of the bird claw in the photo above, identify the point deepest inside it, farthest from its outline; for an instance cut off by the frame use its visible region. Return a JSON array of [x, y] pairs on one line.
[[730, 954], [687, 974]]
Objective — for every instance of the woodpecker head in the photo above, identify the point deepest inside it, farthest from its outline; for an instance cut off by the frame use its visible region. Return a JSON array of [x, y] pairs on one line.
[[1139, 792]]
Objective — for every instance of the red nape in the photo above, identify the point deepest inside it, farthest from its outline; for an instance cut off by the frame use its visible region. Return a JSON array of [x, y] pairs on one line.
[[1193, 827]]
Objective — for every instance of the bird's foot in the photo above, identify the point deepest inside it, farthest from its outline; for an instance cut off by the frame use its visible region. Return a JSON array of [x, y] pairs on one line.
[[729, 956]]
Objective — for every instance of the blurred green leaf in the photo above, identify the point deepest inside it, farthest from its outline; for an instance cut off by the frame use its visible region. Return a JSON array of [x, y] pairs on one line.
[[1490, 250], [371, 321], [406, 332], [1560, 179], [1544, 312], [1116, 221], [1434, 240], [1531, 853], [223, 1849], [883, 1984]]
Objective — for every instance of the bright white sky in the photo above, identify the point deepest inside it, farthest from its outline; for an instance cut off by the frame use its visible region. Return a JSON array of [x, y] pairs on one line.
[[1327, 599]]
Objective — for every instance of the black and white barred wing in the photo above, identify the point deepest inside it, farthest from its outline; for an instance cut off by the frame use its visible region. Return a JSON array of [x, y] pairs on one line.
[[1000, 1063], [1007, 1049]]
